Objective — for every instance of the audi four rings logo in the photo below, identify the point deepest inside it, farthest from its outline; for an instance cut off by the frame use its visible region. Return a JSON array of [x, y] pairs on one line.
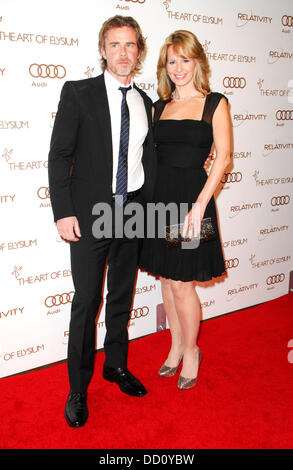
[[59, 299], [234, 82], [275, 279], [43, 192], [47, 71], [287, 20], [232, 177], [231, 263], [284, 115], [280, 200], [139, 312]]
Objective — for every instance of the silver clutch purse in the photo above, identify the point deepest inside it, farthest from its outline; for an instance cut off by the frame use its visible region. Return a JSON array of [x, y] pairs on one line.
[[174, 236]]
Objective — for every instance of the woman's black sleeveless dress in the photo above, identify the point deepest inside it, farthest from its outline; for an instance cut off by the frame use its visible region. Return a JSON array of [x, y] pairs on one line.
[[182, 147]]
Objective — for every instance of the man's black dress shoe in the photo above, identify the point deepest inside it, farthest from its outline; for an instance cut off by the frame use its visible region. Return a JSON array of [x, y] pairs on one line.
[[76, 410], [125, 380]]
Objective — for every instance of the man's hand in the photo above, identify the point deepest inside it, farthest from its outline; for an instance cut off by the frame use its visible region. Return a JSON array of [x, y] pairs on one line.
[[207, 162], [68, 229]]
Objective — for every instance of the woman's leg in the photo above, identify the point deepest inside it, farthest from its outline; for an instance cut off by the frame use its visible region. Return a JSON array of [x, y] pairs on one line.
[[188, 311], [177, 345]]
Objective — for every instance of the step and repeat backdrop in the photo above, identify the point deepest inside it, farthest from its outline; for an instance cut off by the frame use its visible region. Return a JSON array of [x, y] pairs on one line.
[[249, 45]]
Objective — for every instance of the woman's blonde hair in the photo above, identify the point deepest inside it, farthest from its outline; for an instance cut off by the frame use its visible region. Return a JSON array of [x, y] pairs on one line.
[[186, 44]]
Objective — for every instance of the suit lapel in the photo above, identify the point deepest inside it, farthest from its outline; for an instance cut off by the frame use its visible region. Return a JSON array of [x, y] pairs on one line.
[[148, 157], [101, 108], [146, 104]]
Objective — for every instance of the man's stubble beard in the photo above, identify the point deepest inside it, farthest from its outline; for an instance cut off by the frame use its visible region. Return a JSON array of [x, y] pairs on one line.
[[120, 71], [124, 72]]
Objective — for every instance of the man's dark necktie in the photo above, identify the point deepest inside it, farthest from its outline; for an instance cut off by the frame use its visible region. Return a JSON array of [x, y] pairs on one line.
[[121, 176]]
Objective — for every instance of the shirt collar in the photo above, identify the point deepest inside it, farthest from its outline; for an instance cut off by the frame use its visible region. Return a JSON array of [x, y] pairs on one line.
[[113, 84]]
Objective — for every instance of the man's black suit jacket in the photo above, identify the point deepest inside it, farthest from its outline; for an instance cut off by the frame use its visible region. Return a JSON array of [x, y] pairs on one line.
[[80, 158]]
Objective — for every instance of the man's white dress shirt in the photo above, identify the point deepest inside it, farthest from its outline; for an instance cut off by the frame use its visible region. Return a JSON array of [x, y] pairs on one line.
[[138, 129]]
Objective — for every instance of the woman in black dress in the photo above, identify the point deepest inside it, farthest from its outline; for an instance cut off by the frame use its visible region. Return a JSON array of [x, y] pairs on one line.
[[188, 118]]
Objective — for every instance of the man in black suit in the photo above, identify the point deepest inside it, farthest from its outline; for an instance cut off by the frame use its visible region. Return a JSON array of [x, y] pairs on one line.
[[86, 161]]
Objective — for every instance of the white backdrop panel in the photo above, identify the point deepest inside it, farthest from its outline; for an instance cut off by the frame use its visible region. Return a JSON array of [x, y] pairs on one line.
[[249, 46]]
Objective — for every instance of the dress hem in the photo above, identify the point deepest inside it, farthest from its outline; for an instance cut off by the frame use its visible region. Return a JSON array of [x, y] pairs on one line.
[[174, 278]]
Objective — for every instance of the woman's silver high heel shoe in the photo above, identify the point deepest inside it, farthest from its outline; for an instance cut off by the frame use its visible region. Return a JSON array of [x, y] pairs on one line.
[[184, 383], [166, 371]]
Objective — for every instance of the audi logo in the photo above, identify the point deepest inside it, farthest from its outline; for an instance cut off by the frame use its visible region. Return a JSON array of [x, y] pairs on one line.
[[139, 312], [284, 115], [280, 200], [234, 82], [47, 71], [232, 177], [275, 279], [287, 20], [231, 263], [59, 299], [135, 1], [43, 192]]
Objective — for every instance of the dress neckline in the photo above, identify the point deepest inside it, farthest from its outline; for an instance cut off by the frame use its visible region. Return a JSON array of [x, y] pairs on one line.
[[181, 120], [185, 119]]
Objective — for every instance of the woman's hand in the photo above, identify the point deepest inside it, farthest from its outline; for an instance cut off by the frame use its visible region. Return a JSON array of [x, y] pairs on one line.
[[192, 221]]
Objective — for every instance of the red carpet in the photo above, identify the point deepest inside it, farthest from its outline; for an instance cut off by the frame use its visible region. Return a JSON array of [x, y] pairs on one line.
[[243, 398]]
